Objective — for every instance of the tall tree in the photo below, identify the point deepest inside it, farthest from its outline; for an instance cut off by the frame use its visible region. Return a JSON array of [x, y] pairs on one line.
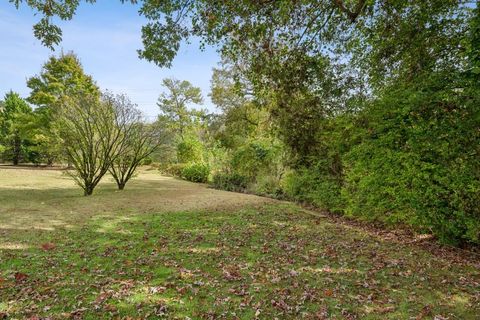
[[60, 76], [175, 106], [13, 112]]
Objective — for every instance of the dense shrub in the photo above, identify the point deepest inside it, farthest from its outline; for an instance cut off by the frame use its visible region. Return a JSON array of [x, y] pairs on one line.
[[311, 186], [196, 172], [230, 181], [190, 150], [172, 169], [418, 163], [267, 185], [257, 157]]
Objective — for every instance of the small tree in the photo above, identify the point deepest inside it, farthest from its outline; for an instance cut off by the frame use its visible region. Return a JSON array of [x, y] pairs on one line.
[[139, 140], [91, 130]]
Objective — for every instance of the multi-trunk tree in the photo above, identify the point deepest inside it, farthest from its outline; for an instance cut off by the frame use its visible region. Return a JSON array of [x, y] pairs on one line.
[[139, 140], [91, 131]]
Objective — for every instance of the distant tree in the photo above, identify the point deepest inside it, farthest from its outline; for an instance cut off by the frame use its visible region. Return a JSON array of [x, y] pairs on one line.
[[174, 103], [2, 108], [91, 130], [14, 110], [60, 76], [139, 140]]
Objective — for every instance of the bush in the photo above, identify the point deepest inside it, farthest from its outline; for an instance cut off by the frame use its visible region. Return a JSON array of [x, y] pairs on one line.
[[189, 151], [147, 161], [267, 185], [313, 186], [172, 169], [256, 157], [230, 182], [418, 164], [196, 172]]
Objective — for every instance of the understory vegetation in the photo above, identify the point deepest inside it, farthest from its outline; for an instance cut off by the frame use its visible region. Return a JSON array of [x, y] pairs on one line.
[[378, 130]]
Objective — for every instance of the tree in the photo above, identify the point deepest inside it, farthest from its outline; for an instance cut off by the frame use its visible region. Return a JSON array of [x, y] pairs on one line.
[[91, 130], [139, 140], [2, 108], [174, 106], [14, 110], [60, 76]]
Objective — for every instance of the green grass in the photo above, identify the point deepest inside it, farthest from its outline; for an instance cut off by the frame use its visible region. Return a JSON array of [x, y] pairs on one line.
[[126, 257]]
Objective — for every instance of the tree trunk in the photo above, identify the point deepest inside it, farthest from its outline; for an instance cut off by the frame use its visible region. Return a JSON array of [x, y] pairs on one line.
[[121, 185], [16, 150], [88, 190]]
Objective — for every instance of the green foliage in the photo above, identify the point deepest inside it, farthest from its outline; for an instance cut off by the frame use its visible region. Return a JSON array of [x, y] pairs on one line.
[[196, 172], [60, 76], [147, 161], [313, 186], [190, 150], [418, 162], [230, 181], [172, 169], [13, 129], [174, 107], [267, 185], [255, 157], [375, 102]]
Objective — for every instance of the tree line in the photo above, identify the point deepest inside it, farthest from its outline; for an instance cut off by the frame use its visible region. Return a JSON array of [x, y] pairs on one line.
[[365, 108], [94, 132]]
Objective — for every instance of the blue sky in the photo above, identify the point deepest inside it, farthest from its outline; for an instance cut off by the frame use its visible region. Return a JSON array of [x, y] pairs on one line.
[[105, 36]]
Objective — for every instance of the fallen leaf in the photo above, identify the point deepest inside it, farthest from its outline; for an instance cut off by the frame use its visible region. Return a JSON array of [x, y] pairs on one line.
[[48, 246], [19, 276]]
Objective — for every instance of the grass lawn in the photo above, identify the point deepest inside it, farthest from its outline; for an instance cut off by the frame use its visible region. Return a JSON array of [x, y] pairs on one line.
[[172, 249]]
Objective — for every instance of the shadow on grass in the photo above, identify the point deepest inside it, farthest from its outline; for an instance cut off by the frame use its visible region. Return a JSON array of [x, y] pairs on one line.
[[58, 203], [261, 262]]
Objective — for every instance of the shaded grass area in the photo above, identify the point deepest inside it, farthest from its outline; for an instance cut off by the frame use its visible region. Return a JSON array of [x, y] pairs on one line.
[[264, 261]]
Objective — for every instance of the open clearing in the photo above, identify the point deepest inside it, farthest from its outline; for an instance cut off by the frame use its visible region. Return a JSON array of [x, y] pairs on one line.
[[177, 250]]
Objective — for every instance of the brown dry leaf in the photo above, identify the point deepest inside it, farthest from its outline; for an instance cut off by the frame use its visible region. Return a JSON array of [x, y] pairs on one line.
[[19, 276], [328, 292], [48, 246], [110, 308], [426, 311], [386, 310]]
